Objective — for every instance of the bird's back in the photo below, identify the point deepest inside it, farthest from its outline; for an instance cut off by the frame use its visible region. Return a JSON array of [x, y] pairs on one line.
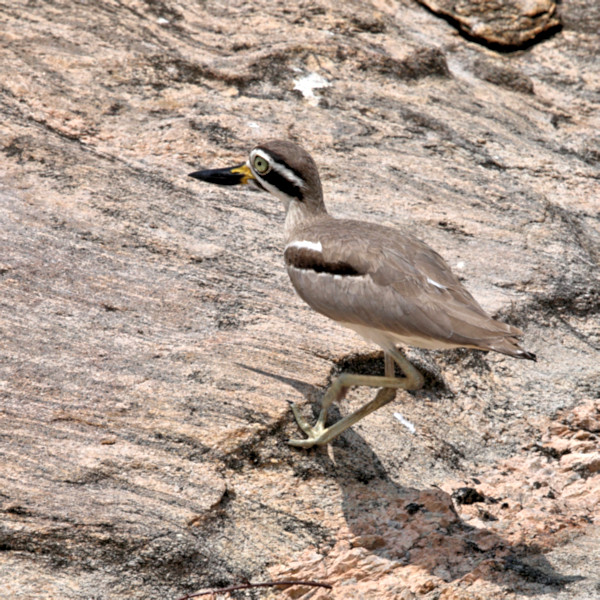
[[365, 275]]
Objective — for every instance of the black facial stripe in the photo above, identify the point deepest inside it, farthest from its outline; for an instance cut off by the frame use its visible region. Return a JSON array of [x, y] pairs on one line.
[[281, 183], [311, 260]]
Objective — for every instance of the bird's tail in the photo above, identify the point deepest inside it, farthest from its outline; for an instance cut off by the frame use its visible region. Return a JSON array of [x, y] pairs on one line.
[[511, 347]]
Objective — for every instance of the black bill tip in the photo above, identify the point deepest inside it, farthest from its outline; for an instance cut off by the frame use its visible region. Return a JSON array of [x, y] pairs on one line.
[[228, 176]]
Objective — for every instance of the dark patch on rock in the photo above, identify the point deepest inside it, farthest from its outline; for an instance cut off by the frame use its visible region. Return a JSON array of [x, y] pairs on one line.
[[467, 495]]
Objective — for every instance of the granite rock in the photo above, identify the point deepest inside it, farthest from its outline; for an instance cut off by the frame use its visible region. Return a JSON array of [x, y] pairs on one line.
[[151, 342]]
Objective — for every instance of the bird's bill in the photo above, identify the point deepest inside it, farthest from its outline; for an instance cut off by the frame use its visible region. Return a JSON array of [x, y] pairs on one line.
[[239, 174]]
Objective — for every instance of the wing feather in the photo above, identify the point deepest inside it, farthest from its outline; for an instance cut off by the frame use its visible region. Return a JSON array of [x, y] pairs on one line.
[[398, 284]]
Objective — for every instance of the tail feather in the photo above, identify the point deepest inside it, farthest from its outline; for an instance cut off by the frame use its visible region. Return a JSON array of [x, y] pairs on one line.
[[528, 355], [510, 346]]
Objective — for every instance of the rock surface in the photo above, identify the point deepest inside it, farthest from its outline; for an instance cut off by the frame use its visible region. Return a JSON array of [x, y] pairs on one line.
[[505, 24], [151, 342]]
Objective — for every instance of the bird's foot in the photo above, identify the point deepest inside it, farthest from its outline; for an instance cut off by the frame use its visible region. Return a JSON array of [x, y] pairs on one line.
[[317, 433]]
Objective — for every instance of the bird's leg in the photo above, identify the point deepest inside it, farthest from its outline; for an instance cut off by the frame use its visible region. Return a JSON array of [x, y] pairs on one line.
[[319, 434]]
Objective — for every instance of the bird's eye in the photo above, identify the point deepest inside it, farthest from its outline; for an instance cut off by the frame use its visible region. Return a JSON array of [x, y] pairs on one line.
[[261, 165]]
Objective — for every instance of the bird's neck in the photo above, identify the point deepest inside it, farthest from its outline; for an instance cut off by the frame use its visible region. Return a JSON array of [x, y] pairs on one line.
[[301, 214]]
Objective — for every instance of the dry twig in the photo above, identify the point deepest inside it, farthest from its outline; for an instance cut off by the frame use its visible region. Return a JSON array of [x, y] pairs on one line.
[[247, 586]]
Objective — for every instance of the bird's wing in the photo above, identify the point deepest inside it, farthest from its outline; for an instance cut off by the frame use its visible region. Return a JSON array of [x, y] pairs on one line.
[[374, 276]]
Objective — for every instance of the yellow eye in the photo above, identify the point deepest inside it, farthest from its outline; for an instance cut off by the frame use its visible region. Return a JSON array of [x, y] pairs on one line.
[[261, 165]]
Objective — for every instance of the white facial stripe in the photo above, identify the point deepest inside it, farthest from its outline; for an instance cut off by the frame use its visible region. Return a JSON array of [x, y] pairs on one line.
[[287, 174], [281, 169], [437, 285], [256, 152], [314, 246]]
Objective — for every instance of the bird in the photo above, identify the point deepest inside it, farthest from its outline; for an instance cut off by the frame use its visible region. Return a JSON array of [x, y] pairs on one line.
[[382, 282]]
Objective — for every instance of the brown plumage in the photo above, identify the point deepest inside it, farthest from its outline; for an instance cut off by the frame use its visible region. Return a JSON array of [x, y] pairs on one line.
[[400, 287], [382, 282]]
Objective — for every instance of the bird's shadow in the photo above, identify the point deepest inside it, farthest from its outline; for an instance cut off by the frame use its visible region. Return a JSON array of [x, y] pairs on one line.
[[408, 525], [306, 389]]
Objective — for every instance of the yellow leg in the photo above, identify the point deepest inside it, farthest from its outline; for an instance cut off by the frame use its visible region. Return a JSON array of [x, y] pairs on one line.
[[319, 434]]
